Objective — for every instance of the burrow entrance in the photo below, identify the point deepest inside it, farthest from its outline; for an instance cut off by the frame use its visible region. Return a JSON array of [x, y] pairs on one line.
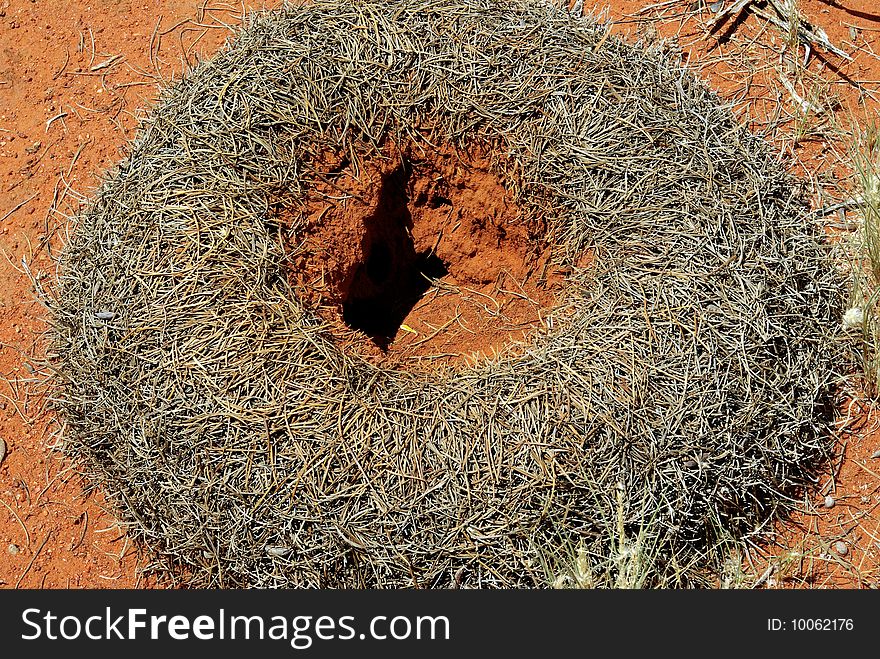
[[392, 276], [419, 260]]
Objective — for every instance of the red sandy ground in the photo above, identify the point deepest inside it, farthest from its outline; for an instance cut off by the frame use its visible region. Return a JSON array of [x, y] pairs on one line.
[[72, 77], [447, 204]]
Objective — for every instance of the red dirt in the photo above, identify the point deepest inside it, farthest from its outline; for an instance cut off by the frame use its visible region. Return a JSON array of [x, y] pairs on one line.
[[364, 265], [67, 105]]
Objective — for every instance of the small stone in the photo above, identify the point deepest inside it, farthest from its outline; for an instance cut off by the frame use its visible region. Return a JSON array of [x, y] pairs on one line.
[[841, 548], [13, 549], [875, 455], [829, 502], [2, 449]]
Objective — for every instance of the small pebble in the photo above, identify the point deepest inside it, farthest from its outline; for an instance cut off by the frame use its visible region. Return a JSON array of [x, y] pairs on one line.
[[841, 548], [2, 450], [13, 549], [105, 315], [875, 454], [829, 502]]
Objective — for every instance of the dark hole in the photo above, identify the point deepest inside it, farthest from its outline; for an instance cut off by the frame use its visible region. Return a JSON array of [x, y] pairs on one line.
[[439, 200], [378, 264], [432, 267], [432, 201], [393, 277]]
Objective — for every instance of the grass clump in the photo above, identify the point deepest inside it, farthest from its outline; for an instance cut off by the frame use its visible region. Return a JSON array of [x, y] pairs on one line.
[[863, 312]]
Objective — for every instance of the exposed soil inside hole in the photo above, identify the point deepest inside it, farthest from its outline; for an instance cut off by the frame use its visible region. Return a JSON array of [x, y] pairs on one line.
[[425, 262]]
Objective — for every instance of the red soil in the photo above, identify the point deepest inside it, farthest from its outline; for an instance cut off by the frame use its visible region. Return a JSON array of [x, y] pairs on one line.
[[428, 262], [71, 81]]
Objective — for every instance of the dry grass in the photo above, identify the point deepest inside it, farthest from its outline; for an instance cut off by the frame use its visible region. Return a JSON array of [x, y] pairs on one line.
[[862, 316], [784, 84], [681, 403]]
